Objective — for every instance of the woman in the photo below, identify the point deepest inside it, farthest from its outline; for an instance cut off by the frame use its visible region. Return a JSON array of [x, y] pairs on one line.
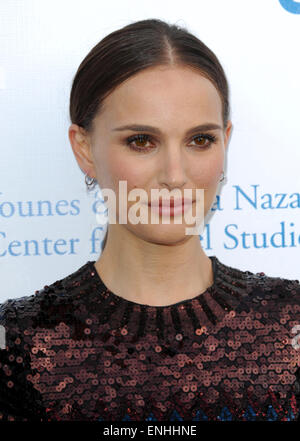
[[154, 329]]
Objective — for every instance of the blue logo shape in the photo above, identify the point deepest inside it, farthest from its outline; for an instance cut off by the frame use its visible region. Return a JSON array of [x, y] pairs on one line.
[[290, 6]]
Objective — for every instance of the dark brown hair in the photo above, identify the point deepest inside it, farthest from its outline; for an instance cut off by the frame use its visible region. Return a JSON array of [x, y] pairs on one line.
[[131, 49]]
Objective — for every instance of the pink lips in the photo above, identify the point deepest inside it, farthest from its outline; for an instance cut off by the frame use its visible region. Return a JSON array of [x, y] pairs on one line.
[[172, 207], [171, 202]]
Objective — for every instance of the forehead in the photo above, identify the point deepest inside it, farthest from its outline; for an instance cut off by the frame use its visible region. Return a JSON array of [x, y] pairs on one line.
[[163, 94]]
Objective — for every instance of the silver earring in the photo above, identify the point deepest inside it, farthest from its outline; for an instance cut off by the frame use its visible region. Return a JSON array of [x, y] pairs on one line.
[[223, 177], [88, 180]]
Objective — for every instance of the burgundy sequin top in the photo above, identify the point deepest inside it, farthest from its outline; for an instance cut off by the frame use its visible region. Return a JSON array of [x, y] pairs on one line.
[[77, 351]]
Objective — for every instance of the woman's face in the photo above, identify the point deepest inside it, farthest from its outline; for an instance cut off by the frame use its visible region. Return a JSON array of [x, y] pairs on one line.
[[173, 100]]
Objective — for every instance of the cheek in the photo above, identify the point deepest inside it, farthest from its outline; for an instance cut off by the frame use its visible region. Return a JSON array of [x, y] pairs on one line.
[[122, 168], [206, 173]]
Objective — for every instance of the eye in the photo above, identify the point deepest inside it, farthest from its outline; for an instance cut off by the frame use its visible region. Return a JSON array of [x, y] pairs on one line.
[[140, 139], [204, 142]]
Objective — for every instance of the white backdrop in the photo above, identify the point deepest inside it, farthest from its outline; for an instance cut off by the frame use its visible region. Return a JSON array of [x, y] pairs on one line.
[[47, 220]]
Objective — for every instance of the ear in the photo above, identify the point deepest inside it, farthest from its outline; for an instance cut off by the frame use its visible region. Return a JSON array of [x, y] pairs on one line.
[[81, 146], [228, 133]]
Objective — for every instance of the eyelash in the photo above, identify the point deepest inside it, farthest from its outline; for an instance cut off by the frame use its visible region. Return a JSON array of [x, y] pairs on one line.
[[211, 138]]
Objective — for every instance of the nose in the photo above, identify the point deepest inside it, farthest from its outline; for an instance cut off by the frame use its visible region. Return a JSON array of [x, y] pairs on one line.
[[172, 171]]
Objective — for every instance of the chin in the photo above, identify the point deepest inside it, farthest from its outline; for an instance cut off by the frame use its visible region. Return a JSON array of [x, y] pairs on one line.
[[163, 234]]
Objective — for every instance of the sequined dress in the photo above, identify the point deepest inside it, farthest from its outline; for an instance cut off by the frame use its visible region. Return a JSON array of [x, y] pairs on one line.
[[74, 350]]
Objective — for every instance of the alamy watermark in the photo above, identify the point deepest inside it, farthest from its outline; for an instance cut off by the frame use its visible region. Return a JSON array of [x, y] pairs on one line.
[[296, 340], [2, 337], [139, 212]]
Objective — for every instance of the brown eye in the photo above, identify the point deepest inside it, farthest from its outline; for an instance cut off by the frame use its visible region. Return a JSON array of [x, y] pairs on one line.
[[140, 140], [137, 142], [204, 140]]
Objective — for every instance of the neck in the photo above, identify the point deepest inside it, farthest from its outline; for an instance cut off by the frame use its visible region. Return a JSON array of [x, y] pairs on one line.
[[156, 274]]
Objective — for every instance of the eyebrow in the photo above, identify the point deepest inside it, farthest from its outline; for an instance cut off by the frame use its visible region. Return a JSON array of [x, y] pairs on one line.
[[155, 130]]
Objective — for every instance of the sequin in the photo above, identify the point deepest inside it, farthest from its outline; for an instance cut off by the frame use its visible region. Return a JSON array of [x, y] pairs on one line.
[[77, 351]]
